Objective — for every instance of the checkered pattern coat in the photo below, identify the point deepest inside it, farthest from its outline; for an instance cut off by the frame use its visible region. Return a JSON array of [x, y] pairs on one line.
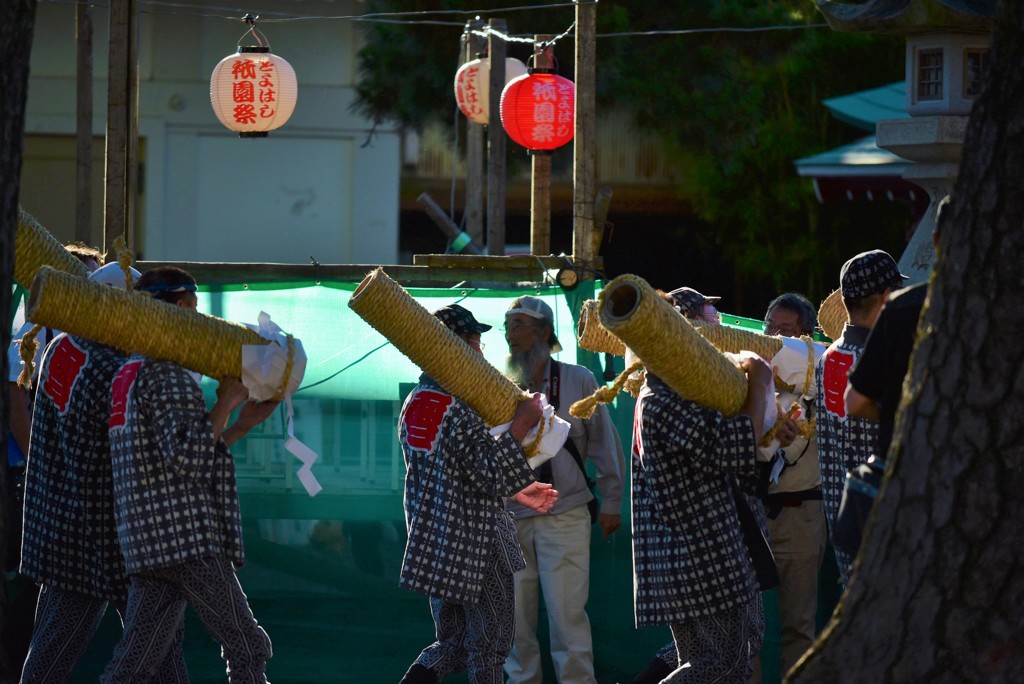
[[457, 479], [689, 557], [844, 442], [69, 540], [175, 498]]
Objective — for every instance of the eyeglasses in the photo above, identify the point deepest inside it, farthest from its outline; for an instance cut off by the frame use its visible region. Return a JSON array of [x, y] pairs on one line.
[[480, 346], [784, 330], [709, 314], [517, 326]]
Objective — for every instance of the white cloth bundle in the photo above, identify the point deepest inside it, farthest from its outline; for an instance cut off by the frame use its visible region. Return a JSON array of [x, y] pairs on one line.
[[795, 366], [263, 369], [263, 365], [555, 432]]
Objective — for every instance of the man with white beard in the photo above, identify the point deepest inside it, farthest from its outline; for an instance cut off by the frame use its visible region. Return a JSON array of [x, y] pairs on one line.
[[557, 545]]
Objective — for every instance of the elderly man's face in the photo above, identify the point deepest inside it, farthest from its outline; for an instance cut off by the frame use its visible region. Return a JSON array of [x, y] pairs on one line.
[[785, 322], [521, 332]]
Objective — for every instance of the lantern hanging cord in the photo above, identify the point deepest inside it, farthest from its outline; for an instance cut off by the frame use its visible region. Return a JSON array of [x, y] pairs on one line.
[[175, 8], [487, 32], [261, 40]]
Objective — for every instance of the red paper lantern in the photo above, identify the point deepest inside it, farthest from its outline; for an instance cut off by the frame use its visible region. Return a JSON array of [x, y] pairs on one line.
[[472, 84], [538, 111]]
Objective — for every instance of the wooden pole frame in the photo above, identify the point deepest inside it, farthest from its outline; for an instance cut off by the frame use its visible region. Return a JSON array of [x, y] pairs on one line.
[[120, 178], [496, 48], [83, 123], [540, 187], [475, 45], [584, 171]]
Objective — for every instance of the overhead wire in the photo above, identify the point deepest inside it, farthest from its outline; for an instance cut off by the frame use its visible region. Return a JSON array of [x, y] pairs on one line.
[[413, 18]]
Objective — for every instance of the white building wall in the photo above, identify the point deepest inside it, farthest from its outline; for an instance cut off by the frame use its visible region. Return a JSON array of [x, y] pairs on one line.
[[311, 189]]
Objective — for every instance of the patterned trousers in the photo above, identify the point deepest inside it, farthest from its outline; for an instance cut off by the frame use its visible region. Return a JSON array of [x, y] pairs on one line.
[[65, 623], [718, 648], [474, 636], [156, 604]]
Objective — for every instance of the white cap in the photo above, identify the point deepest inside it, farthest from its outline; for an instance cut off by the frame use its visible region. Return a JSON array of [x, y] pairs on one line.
[[535, 307], [112, 274]]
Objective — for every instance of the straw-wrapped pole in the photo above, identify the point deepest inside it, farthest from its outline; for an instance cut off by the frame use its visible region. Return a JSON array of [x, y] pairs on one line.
[[735, 339], [135, 322], [832, 315], [671, 348], [593, 336], [35, 247], [428, 343]]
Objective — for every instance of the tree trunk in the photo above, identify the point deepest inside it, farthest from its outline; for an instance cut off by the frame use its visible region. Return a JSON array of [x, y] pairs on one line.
[[17, 18], [938, 589]]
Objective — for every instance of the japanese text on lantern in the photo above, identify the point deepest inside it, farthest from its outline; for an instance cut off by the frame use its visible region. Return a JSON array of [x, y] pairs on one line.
[[467, 94], [254, 84], [552, 110]]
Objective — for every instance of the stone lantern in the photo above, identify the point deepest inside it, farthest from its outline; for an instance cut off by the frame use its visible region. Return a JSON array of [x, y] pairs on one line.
[[947, 50]]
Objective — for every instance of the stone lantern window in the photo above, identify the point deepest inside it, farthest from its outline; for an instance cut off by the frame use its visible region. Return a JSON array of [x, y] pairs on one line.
[[929, 74], [944, 72], [975, 61]]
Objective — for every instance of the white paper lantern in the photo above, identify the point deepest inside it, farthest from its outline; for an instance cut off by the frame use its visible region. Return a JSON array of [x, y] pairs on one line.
[[253, 91], [472, 86]]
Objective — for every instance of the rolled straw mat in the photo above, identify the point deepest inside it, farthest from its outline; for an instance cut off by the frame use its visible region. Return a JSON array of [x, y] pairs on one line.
[[35, 247], [135, 322], [734, 340], [428, 343], [671, 348], [832, 315], [593, 336]]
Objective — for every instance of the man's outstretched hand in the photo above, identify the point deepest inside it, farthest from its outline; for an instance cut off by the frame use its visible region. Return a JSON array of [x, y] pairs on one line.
[[539, 496]]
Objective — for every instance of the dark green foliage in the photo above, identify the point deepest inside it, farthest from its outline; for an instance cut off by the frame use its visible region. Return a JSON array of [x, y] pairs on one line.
[[735, 110]]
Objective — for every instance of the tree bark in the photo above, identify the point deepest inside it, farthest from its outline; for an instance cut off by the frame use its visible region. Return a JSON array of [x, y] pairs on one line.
[[17, 20], [938, 589]]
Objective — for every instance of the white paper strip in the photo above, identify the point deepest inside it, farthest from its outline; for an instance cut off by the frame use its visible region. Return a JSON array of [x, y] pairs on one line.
[[304, 454]]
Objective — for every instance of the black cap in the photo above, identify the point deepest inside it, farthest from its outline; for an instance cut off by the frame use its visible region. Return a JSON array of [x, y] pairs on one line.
[[460, 321], [869, 273], [687, 299]]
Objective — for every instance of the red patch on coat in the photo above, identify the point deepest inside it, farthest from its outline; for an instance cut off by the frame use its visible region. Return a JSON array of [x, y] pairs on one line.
[[62, 372], [120, 389], [834, 376], [423, 418]]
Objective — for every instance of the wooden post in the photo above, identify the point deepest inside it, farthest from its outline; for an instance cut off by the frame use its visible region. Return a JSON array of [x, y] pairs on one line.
[[121, 149], [131, 186], [601, 205], [540, 204], [584, 139], [83, 123], [496, 48], [540, 190], [475, 45]]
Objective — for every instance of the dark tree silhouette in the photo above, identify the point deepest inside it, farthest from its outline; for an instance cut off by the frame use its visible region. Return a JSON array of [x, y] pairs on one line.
[[938, 590], [17, 18]]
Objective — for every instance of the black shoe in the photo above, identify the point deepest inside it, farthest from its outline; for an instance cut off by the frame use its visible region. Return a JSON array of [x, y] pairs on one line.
[[655, 671], [418, 674]]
